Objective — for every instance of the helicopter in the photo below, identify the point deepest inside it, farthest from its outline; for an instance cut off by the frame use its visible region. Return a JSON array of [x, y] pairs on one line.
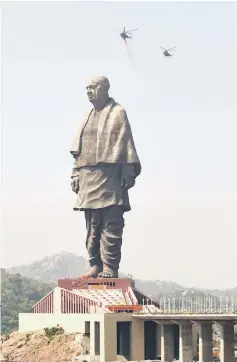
[[167, 52], [126, 34]]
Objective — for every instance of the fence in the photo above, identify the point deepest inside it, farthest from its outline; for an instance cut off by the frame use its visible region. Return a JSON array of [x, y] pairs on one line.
[[211, 305]]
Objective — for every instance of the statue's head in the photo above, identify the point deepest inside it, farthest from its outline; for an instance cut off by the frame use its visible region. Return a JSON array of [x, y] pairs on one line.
[[98, 90]]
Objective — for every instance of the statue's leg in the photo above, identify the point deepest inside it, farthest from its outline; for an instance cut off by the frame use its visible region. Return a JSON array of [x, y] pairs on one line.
[[111, 241], [93, 225]]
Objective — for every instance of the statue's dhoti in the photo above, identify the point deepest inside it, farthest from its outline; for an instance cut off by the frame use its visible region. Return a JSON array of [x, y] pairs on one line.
[[104, 236], [104, 202]]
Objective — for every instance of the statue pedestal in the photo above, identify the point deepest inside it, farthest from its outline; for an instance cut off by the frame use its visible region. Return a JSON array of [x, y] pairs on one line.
[[96, 283]]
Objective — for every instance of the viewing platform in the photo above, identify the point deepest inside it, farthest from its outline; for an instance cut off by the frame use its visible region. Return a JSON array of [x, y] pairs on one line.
[[121, 321]]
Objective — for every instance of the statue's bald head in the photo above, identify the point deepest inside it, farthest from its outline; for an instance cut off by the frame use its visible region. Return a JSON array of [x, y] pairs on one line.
[[100, 80], [98, 90]]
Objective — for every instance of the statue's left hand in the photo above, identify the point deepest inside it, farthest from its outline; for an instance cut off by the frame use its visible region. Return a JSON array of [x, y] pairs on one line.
[[127, 181]]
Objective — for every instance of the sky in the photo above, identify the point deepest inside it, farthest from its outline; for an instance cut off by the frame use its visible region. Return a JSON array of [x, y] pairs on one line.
[[183, 114]]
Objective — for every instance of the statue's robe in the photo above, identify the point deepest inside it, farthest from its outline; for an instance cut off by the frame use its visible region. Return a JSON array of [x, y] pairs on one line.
[[103, 151]]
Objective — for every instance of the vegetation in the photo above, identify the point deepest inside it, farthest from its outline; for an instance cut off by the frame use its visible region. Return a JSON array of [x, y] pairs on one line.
[[18, 295], [51, 332]]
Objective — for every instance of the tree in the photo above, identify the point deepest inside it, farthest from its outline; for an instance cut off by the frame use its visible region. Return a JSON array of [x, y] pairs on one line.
[[19, 294]]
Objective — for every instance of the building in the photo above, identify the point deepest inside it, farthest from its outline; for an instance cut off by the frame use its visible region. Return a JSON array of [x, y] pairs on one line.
[[123, 324]]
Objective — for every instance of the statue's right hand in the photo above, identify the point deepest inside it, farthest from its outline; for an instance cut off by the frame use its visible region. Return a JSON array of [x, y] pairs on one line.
[[75, 184]]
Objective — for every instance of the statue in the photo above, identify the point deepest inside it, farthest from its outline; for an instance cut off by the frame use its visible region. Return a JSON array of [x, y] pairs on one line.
[[106, 165]]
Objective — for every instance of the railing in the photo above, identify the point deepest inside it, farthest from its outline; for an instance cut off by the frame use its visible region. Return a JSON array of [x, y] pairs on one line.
[[70, 303], [144, 299], [132, 296], [198, 305], [45, 305], [73, 303]]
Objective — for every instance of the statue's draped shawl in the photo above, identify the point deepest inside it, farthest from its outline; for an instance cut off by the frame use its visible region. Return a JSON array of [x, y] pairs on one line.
[[115, 142]]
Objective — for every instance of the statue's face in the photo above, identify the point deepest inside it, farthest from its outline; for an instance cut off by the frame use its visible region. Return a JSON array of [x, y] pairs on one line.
[[95, 90]]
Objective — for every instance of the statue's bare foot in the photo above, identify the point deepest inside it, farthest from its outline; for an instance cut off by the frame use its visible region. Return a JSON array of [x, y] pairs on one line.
[[92, 273], [108, 273]]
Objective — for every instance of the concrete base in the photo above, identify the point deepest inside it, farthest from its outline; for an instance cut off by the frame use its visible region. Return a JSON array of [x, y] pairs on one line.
[[158, 339], [137, 340], [167, 343], [227, 353], [95, 283], [205, 343], [195, 339], [185, 343]]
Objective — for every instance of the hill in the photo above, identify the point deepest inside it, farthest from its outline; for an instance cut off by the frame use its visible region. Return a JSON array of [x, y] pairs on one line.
[[52, 268], [69, 265], [66, 265], [18, 294], [158, 287], [231, 292]]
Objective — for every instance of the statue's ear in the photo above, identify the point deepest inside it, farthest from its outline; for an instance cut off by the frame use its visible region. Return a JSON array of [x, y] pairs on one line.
[[106, 91]]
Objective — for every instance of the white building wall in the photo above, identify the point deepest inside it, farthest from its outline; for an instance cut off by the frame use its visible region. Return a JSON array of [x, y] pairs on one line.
[[108, 338], [57, 300], [30, 322]]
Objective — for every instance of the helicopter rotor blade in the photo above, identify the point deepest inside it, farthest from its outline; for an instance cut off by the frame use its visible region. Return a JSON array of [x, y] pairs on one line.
[[163, 48], [171, 48], [128, 31]]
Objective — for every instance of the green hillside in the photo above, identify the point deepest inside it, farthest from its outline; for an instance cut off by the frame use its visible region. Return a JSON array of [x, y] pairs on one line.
[[18, 294]]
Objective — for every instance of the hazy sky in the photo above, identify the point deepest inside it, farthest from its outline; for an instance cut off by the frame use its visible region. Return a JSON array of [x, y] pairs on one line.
[[183, 112]]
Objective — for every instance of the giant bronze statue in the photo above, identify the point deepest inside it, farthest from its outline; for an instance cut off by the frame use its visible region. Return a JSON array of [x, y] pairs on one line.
[[106, 165]]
